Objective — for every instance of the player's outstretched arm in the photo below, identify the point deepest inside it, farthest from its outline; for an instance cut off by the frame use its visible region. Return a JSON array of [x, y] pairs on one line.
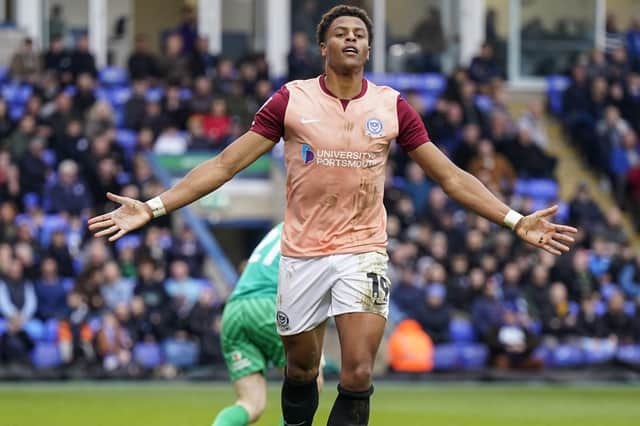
[[463, 187], [200, 181]]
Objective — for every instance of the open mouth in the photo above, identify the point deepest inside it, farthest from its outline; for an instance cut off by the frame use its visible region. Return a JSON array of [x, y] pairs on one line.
[[350, 50]]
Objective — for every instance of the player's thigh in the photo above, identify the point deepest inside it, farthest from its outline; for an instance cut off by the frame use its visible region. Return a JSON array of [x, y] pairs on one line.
[[251, 393], [242, 356], [263, 332], [304, 294], [360, 334], [304, 350], [360, 305]]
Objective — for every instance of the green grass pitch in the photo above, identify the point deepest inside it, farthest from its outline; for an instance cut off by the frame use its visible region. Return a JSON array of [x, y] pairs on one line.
[[186, 404]]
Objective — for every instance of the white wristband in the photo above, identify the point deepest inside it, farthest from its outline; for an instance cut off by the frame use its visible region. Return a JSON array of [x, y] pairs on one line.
[[511, 219], [157, 207]]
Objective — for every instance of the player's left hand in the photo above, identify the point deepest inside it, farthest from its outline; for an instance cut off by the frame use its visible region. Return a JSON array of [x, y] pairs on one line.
[[540, 232]]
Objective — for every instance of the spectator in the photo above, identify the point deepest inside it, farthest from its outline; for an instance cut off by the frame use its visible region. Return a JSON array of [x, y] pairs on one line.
[[533, 121], [18, 142], [202, 97], [58, 60], [529, 159], [492, 168], [57, 23], [51, 292], [188, 29], [25, 63], [484, 68], [15, 344], [113, 344], [134, 108], [629, 278], [174, 65], [142, 63], [175, 108], [487, 311], [589, 324], [69, 193], [84, 98], [557, 318], [196, 139], [59, 250], [202, 62], [616, 323], [100, 118], [303, 62], [433, 315], [429, 34], [88, 288], [182, 287], [157, 302], [217, 122], [115, 289], [537, 291], [34, 169], [18, 301]]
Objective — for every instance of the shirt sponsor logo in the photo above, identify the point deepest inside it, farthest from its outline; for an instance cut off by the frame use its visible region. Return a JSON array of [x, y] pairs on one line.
[[307, 154], [239, 362]]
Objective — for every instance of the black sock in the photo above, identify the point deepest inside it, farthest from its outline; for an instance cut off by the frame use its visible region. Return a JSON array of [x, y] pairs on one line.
[[350, 408], [299, 402]]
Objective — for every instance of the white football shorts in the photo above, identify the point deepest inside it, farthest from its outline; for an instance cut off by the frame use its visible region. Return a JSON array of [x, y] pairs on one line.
[[310, 290]]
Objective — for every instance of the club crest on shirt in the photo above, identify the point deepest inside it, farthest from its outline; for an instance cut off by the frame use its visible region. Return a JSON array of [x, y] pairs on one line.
[[374, 128]]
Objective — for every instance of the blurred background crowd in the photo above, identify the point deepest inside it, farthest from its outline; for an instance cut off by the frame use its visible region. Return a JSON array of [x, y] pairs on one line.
[[466, 293]]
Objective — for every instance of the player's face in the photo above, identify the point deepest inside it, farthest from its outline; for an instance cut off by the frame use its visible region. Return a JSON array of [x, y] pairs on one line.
[[346, 44]]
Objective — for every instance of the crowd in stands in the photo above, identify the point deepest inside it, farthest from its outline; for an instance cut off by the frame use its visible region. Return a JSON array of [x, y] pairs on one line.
[[601, 112], [70, 132]]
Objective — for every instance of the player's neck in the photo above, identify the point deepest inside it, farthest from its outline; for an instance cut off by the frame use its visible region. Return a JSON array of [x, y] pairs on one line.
[[344, 86]]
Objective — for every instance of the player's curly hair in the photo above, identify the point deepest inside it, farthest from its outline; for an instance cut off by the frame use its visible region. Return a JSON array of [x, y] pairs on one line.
[[343, 10]]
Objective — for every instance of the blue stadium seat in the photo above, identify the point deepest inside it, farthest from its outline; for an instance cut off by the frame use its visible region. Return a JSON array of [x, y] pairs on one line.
[[574, 308], [35, 329], [474, 356], [46, 355], [484, 102], [95, 324], [426, 82], [445, 357], [71, 90], [127, 139], [154, 94], [3, 326], [567, 356], [147, 354], [597, 351], [543, 353], [119, 96], [630, 308], [16, 111], [180, 353], [461, 331], [556, 85], [185, 94], [629, 354], [16, 94], [601, 308], [51, 330], [113, 76], [50, 224], [129, 240], [538, 189]]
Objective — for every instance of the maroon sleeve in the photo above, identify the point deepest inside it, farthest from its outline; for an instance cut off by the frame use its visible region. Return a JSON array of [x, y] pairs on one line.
[[411, 130], [269, 120]]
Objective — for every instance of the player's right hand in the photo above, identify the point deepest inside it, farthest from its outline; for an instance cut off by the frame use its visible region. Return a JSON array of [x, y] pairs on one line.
[[132, 214]]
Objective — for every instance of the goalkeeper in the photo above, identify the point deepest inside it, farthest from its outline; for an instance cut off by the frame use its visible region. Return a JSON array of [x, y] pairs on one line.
[[250, 340]]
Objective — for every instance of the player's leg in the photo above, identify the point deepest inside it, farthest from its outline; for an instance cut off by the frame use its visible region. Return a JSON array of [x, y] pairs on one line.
[[360, 334], [299, 396], [360, 304], [304, 287], [245, 363], [251, 399]]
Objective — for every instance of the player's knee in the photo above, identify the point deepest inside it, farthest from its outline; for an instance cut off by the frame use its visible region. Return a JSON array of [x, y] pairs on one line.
[[357, 377], [301, 372]]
